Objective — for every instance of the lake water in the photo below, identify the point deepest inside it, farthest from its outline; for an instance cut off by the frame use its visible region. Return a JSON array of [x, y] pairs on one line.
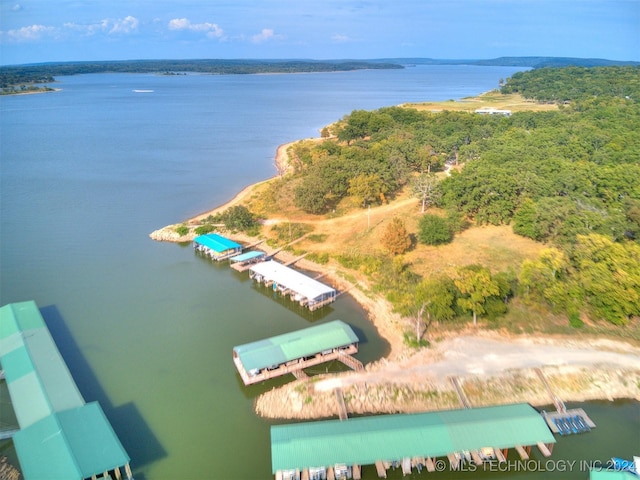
[[147, 328]]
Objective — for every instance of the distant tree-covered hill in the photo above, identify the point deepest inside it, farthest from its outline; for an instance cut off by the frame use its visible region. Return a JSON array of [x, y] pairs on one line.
[[31, 74], [45, 72], [532, 62]]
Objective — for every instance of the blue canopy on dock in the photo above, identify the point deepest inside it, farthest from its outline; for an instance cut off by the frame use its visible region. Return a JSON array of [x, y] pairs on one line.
[[217, 243], [245, 257]]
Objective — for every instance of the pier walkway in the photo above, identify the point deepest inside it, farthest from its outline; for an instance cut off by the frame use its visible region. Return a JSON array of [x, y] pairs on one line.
[[564, 421]]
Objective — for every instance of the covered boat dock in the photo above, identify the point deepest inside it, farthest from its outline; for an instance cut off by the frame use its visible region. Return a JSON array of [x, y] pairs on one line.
[[244, 261], [294, 351], [301, 288], [60, 436], [216, 246], [338, 449]]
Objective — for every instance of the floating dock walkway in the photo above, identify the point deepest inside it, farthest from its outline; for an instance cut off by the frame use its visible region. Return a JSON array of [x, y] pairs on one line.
[[292, 352], [60, 435], [563, 421], [341, 449], [569, 422]]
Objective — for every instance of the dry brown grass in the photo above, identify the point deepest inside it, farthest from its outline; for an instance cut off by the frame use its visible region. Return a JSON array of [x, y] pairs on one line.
[[514, 102], [353, 229]]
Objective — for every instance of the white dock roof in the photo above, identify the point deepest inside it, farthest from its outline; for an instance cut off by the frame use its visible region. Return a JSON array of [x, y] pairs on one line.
[[293, 280]]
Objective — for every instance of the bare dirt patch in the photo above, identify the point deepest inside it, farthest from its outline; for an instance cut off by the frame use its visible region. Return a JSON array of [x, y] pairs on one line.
[[491, 370]]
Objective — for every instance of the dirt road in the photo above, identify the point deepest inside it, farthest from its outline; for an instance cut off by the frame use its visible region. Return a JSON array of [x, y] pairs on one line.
[[481, 355]]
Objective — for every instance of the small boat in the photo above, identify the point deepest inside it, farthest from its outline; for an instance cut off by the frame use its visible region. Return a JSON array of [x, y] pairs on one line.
[[142, 91], [622, 465]]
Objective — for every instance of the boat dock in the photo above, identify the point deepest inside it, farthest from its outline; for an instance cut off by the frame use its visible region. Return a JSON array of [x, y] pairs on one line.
[[298, 286], [569, 422], [216, 247], [411, 442], [563, 421], [294, 351], [244, 261], [59, 435]]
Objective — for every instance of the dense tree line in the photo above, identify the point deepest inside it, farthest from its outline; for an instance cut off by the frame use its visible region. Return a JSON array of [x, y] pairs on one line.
[[45, 72], [569, 178], [576, 83]]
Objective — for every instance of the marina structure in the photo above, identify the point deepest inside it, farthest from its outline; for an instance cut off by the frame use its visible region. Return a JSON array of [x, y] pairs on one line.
[[569, 422], [244, 261], [564, 421], [59, 435], [287, 281], [294, 351], [216, 246], [339, 449]]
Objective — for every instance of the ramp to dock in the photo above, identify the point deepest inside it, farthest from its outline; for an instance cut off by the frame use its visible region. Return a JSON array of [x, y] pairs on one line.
[[342, 407], [461, 395]]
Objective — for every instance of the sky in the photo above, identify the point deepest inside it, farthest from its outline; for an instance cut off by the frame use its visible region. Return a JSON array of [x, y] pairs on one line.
[[33, 31]]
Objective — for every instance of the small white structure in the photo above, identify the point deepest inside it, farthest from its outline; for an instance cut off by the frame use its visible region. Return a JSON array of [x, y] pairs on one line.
[[493, 111]]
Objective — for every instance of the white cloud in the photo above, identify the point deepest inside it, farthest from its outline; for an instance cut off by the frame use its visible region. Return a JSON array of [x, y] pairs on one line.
[[17, 7], [211, 30], [265, 35], [110, 26], [89, 29], [179, 24], [339, 38], [127, 24], [31, 33]]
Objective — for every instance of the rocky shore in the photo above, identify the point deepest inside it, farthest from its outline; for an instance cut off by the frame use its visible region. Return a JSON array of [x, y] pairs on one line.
[[309, 399]]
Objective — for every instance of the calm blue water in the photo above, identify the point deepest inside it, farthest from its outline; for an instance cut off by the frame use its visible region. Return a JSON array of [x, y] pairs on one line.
[[147, 328]]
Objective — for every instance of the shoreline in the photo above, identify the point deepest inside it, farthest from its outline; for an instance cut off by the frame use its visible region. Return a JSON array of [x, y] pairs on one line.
[[399, 382], [31, 92], [168, 234]]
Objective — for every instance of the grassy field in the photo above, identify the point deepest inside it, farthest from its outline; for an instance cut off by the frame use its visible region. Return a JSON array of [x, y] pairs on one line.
[[493, 99]]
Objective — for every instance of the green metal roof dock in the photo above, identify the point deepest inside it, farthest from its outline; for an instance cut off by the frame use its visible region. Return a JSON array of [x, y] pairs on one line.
[[293, 351], [60, 435], [407, 439]]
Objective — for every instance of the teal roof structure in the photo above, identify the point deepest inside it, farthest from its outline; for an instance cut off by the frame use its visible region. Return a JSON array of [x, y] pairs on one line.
[[612, 475], [248, 256], [364, 440], [60, 435], [73, 444], [293, 345], [216, 242], [37, 377]]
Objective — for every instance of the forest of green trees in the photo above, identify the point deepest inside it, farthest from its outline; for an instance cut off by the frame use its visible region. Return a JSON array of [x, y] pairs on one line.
[[13, 75], [569, 178]]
